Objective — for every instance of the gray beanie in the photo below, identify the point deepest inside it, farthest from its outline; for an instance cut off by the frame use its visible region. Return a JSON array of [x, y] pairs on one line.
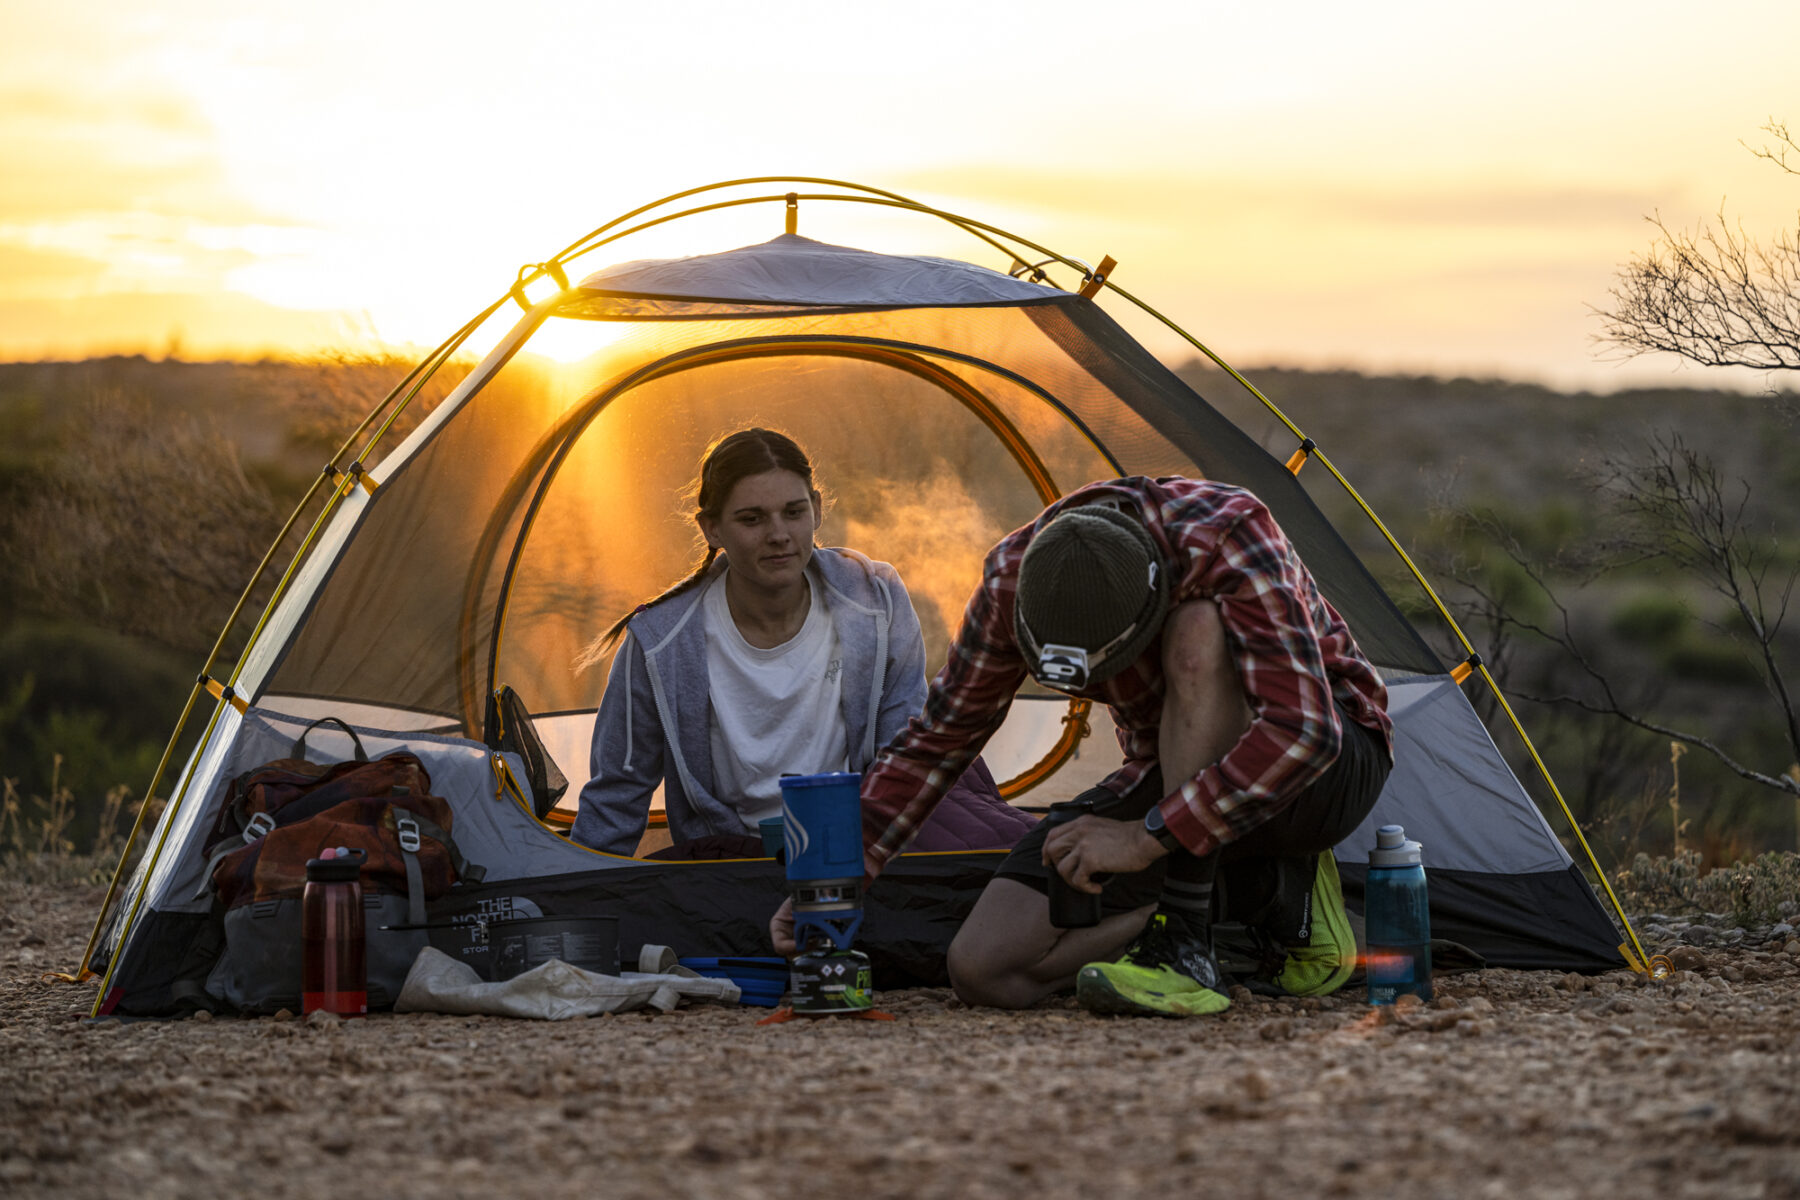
[[1092, 595]]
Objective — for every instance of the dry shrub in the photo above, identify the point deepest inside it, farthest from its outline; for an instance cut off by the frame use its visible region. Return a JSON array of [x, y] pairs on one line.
[[1751, 892], [144, 523]]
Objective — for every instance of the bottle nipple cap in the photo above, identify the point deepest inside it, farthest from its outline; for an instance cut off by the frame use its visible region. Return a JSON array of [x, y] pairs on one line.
[[1390, 837]]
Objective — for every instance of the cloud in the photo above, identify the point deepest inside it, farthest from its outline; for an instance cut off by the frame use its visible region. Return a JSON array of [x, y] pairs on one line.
[[215, 325], [1186, 201]]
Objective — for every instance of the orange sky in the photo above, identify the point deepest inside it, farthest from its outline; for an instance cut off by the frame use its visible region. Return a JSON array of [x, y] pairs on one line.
[[1389, 186]]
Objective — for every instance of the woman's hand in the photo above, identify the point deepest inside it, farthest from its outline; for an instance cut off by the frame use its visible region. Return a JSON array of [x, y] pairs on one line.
[[781, 929], [1089, 846]]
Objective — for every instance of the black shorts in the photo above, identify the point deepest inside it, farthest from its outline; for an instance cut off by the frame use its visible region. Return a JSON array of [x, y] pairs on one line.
[[1319, 818]]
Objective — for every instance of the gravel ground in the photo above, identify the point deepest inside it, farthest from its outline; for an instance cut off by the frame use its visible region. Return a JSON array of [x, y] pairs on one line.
[[1509, 1084]]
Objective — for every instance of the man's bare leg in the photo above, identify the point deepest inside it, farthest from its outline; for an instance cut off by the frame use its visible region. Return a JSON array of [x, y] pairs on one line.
[[1008, 955], [1205, 711]]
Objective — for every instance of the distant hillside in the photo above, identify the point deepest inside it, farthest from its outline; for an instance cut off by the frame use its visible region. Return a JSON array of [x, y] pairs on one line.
[[1406, 440]]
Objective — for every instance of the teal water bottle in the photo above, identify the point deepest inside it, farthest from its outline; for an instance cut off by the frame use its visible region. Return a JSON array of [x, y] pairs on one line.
[[1398, 919]]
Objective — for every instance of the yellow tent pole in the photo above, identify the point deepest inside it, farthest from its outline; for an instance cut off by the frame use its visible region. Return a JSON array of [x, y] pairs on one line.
[[1518, 726], [417, 378], [162, 766], [1643, 959]]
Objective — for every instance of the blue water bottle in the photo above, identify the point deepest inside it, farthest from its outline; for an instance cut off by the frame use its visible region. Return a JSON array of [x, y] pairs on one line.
[[1398, 919]]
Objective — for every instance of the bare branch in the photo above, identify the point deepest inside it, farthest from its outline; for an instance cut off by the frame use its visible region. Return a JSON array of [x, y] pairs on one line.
[[1782, 783], [1778, 153], [1715, 296]]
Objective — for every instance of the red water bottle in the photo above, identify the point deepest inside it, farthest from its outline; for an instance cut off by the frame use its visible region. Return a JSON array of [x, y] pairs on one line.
[[334, 971]]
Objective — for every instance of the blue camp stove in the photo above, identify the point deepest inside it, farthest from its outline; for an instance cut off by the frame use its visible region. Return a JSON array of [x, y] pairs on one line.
[[822, 833]]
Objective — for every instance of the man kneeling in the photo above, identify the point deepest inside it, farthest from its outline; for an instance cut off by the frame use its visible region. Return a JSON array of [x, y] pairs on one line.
[[1255, 737]]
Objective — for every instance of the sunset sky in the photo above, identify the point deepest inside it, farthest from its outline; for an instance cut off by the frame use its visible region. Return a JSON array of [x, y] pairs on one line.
[[1423, 187]]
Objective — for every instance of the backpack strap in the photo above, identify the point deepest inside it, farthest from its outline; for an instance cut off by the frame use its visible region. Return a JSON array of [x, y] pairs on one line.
[[465, 870], [409, 827], [299, 751], [407, 830]]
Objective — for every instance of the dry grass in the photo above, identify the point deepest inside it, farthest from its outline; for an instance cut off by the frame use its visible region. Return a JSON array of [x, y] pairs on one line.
[[36, 845]]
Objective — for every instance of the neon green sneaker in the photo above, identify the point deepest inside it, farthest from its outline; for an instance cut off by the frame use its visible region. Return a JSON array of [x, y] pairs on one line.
[[1323, 954], [1166, 972]]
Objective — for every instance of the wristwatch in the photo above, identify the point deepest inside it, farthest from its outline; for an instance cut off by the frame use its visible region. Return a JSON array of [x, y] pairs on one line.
[[1153, 825]]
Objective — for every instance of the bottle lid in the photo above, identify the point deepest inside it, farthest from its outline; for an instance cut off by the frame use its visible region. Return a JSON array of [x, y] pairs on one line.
[[1392, 849], [336, 865]]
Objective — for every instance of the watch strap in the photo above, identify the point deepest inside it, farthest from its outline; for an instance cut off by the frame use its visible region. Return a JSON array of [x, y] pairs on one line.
[[1154, 826]]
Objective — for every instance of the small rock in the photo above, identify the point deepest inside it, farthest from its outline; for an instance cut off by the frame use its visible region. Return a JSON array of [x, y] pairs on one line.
[[334, 1141], [200, 1014], [283, 1015], [32, 939], [323, 1020], [1410, 1003], [1257, 1085], [1781, 932], [1686, 958], [1480, 1004], [1471, 1028]]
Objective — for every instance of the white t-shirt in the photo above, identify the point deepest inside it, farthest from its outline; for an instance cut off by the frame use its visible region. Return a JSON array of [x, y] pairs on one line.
[[774, 711]]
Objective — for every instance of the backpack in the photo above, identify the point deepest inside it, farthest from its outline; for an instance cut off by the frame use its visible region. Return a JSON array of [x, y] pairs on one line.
[[274, 818]]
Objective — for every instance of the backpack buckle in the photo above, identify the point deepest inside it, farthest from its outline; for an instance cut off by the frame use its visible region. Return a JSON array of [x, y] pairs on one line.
[[257, 826], [408, 831]]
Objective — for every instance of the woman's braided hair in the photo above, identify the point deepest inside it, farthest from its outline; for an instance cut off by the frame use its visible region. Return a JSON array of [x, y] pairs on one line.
[[728, 461]]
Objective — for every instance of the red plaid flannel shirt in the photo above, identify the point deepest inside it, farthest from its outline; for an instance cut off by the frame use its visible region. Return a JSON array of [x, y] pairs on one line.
[[1293, 652]]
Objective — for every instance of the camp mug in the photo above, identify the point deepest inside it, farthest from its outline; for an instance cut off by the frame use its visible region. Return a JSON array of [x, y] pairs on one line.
[[772, 833], [1069, 908], [333, 955]]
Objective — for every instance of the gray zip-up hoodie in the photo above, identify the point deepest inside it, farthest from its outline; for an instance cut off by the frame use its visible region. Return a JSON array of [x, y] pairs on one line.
[[652, 726]]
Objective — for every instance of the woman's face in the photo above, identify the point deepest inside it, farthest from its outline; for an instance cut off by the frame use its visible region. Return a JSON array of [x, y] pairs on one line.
[[766, 529]]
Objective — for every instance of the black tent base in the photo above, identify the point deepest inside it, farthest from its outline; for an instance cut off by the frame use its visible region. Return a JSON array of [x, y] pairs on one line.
[[1548, 921]]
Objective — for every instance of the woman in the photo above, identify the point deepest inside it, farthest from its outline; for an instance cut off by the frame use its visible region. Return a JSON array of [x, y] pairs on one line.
[[773, 657]]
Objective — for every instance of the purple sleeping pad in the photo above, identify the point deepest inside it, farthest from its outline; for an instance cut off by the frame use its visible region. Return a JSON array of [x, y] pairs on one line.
[[972, 816]]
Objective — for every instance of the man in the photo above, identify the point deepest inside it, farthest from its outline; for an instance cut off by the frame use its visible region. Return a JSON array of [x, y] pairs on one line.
[[1255, 737]]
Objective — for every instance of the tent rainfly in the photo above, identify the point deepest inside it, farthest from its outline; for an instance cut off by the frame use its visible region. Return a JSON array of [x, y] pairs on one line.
[[945, 403]]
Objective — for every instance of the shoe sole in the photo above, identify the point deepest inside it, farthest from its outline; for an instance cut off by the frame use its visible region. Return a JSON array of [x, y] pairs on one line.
[[1095, 993], [1336, 919]]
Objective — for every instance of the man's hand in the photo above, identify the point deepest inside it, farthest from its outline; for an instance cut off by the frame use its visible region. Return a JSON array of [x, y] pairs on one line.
[[1088, 846], [781, 929]]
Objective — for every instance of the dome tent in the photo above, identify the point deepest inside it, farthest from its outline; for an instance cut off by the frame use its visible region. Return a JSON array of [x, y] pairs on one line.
[[946, 403]]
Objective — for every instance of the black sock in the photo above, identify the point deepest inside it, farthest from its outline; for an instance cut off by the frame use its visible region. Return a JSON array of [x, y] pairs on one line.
[[1187, 890]]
